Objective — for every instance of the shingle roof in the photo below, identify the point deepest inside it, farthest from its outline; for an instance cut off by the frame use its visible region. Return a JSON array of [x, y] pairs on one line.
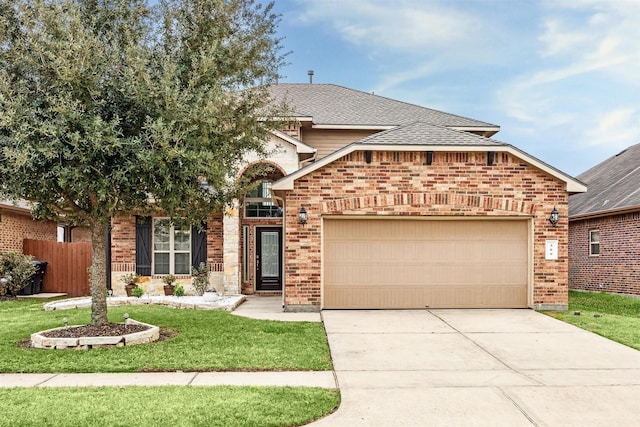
[[329, 104], [421, 133], [613, 185]]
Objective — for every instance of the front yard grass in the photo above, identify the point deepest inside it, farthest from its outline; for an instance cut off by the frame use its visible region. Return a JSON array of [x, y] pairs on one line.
[[206, 341], [619, 321], [160, 406]]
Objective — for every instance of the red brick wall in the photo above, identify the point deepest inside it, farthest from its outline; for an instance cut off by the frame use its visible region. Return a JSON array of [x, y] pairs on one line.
[[123, 240], [291, 130], [617, 268], [400, 183], [215, 239], [15, 227]]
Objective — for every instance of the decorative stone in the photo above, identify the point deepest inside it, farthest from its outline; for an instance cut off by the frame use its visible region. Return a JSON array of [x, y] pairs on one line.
[[84, 343], [209, 296]]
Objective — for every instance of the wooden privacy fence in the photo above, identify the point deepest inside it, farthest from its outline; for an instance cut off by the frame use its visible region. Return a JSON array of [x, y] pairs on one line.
[[67, 265]]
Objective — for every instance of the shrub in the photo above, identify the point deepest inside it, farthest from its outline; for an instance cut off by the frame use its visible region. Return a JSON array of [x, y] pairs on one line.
[[17, 268], [137, 292], [200, 277], [178, 291]]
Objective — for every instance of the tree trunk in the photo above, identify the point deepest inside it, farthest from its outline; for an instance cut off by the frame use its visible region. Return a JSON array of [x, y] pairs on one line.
[[98, 275]]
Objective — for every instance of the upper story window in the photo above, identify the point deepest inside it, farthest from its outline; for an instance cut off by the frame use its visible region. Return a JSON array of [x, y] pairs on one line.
[[594, 242], [171, 247], [258, 203]]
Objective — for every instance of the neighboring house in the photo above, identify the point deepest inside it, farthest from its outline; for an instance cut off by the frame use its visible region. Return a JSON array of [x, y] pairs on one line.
[[604, 227], [376, 203], [16, 224]]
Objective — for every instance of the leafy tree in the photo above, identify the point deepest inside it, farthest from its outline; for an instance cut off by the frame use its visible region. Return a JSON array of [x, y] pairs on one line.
[[106, 105]]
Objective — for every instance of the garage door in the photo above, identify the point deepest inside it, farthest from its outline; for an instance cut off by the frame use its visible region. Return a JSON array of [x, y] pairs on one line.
[[398, 263]]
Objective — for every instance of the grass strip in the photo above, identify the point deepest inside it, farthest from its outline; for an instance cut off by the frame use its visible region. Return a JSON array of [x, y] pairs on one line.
[[158, 406], [619, 318], [206, 340]]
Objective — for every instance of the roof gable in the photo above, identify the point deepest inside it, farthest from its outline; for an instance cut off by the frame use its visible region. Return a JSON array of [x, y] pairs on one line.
[[614, 185], [333, 105], [419, 136], [301, 147]]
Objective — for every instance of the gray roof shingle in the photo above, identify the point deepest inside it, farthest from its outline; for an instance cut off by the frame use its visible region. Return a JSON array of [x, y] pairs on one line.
[[329, 104], [613, 184], [421, 133]]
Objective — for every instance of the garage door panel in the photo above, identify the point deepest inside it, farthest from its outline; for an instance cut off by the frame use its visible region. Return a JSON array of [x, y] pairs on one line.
[[414, 264], [365, 297]]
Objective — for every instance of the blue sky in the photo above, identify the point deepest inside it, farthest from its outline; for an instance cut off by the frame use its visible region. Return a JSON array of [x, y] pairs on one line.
[[561, 78]]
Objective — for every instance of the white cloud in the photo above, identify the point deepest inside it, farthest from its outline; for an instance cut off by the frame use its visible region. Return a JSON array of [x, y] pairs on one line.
[[405, 25], [618, 127], [587, 73], [420, 38]]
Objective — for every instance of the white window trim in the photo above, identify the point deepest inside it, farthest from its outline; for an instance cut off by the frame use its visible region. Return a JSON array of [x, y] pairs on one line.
[[592, 242], [172, 252]]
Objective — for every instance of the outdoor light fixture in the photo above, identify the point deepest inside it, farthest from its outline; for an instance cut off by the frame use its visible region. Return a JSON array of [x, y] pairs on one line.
[[302, 216], [66, 322], [554, 217]]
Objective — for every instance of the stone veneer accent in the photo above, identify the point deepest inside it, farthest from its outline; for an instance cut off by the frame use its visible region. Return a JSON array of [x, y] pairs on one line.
[[402, 184], [231, 247], [617, 268]]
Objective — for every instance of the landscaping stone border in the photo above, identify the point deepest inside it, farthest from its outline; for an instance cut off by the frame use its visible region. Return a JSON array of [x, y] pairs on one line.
[[85, 343], [227, 302]]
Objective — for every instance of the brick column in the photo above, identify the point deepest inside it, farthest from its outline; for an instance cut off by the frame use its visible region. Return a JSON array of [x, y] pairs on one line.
[[231, 249]]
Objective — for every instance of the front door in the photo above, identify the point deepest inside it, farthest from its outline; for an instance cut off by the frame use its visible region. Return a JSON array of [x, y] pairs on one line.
[[268, 259]]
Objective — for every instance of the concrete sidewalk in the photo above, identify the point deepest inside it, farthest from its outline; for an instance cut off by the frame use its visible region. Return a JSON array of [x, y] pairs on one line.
[[324, 379]]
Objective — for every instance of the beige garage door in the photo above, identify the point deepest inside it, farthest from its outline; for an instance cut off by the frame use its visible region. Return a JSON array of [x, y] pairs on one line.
[[398, 263]]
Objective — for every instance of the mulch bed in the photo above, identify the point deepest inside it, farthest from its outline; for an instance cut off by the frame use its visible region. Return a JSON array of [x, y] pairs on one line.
[[106, 330]]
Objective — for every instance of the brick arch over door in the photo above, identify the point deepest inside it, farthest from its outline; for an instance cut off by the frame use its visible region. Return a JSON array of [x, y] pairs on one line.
[[451, 199], [279, 170]]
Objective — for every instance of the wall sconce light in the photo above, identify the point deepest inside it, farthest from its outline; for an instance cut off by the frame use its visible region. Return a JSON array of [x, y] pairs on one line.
[[302, 216], [554, 217]]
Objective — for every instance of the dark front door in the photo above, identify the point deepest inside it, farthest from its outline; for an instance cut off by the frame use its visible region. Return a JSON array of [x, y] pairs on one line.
[[269, 259]]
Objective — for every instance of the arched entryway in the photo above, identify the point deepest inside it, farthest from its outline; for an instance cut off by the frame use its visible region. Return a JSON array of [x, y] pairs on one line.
[[261, 251]]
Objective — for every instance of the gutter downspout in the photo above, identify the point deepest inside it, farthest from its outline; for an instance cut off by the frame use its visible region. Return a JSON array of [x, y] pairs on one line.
[[308, 161]]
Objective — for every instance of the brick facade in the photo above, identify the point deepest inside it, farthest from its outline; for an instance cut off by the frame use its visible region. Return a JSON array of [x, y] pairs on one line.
[[401, 183], [617, 268], [15, 227], [123, 254]]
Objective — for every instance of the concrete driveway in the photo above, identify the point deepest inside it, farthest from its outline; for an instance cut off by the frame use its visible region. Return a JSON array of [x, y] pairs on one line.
[[478, 368]]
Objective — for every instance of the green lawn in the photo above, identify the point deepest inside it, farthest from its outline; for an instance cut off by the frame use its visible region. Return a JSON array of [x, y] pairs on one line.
[[205, 341], [619, 321], [161, 406]]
